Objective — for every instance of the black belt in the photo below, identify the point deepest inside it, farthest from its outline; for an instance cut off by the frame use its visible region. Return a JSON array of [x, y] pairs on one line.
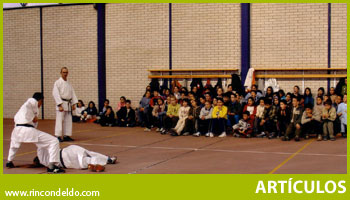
[[62, 159], [69, 104], [26, 125]]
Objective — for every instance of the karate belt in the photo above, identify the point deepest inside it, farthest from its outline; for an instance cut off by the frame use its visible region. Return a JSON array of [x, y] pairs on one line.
[[26, 125], [69, 104], [61, 159]]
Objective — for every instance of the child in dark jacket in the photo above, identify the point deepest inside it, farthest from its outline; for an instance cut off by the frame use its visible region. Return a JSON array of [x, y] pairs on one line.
[[269, 120], [234, 110], [107, 117], [126, 115], [89, 113], [143, 108], [192, 120], [283, 118], [294, 127], [311, 121]]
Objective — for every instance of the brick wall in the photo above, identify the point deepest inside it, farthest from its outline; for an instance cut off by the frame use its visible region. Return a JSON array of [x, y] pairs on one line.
[[137, 39], [338, 36], [21, 64], [70, 40], [296, 35], [206, 35]]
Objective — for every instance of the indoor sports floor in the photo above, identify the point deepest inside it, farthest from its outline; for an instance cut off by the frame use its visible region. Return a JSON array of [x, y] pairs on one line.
[[142, 152]]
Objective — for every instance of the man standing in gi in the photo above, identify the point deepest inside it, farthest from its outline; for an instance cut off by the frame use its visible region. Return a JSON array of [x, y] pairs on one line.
[[26, 121], [65, 99]]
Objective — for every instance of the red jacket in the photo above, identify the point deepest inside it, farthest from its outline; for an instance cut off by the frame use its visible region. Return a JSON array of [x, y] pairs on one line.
[[251, 117], [154, 100]]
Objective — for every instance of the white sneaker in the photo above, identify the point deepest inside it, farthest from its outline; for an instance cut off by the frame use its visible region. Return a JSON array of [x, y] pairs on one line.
[[207, 134], [158, 130], [211, 134], [161, 130], [223, 134], [147, 130], [197, 134]]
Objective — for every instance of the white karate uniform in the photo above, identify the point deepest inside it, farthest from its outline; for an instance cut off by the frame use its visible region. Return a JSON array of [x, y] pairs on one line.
[[63, 90], [22, 134], [75, 157]]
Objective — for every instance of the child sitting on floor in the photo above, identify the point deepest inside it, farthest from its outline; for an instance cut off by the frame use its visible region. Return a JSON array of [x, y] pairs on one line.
[[172, 115], [219, 117], [204, 120], [244, 127], [259, 114], [78, 111], [251, 108], [159, 112], [283, 118], [126, 115], [107, 118], [121, 103], [234, 110], [183, 115], [294, 127], [328, 116], [268, 121], [342, 113], [311, 122], [191, 121], [89, 114]]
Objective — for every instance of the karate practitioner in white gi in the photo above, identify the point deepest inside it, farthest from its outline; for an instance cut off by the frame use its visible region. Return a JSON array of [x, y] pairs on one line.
[[65, 99], [77, 157], [26, 121]]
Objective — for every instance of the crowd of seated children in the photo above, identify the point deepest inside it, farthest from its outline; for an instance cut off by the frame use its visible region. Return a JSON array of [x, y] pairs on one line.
[[212, 111]]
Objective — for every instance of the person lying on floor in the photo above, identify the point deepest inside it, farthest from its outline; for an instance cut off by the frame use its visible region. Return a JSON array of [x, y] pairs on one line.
[[76, 157]]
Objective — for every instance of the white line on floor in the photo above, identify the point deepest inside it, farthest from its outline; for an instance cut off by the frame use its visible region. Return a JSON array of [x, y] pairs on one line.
[[213, 150]]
